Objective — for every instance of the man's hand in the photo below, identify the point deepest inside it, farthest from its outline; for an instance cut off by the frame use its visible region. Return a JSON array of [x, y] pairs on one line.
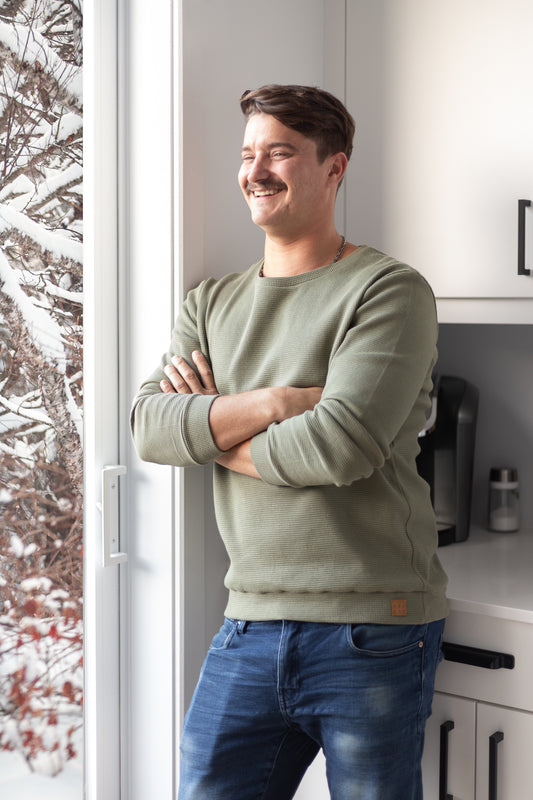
[[182, 379]]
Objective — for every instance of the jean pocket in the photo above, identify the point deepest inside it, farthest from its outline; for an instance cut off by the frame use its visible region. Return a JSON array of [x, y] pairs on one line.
[[383, 641], [222, 639]]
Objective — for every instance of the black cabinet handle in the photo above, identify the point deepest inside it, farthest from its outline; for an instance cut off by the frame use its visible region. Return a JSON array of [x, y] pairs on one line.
[[494, 741], [488, 659], [445, 729], [522, 205]]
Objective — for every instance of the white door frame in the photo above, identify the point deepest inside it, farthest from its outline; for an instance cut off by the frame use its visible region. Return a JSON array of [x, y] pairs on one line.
[[148, 209], [102, 719], [131, 631]]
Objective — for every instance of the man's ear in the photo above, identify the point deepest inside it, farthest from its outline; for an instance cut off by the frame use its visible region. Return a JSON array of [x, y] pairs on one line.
[[338, 166]]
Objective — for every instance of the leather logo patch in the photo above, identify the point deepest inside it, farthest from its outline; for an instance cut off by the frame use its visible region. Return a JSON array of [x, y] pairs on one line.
[[399, 608]]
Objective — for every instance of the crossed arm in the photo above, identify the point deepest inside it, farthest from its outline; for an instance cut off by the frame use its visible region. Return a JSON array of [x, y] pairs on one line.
[[235, 419]]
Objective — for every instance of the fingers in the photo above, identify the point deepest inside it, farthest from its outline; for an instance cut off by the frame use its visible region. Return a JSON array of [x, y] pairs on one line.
[[166, 387], [183, 379], [181, 376], [205, 371]]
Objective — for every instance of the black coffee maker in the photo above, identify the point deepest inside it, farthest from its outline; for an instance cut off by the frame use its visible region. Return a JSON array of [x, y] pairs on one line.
[[446, 458]]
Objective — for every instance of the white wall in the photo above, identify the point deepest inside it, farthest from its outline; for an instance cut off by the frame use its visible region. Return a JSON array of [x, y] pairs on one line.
[[229, 47]]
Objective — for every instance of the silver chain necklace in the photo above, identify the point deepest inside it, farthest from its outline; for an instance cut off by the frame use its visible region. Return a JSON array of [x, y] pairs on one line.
[[339, 254]]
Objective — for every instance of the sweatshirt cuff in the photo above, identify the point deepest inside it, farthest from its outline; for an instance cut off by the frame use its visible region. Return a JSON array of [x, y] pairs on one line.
[[196, 432], [259, 452]]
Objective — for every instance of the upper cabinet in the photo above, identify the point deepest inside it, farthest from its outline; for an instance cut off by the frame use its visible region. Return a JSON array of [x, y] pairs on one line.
[[442, 97]]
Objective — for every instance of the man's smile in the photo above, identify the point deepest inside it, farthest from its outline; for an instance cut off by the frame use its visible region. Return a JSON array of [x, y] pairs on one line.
[[264, 191]]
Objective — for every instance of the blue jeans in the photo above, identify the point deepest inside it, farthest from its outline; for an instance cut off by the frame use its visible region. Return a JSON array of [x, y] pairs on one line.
[[271, 694]]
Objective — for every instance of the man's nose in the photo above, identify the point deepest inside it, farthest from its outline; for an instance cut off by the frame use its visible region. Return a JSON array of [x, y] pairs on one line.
[[258, 170]]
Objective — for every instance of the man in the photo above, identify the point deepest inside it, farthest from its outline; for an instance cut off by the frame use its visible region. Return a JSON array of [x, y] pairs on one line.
[[306, 380]]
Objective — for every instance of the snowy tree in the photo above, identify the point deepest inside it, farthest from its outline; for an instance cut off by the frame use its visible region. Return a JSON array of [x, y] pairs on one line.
[[41, 392]]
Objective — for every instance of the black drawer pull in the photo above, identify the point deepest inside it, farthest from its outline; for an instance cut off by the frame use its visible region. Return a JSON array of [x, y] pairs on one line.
[[488, 659], [445, 729], [494, 741]]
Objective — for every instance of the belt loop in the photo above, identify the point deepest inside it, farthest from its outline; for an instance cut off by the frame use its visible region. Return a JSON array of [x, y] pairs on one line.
[[242, 625]]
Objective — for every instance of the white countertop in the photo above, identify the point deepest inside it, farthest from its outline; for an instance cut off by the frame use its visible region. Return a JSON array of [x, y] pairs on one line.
[[491, 573]]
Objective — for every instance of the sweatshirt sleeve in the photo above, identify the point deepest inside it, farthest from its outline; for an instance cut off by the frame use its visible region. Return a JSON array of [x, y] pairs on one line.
[[377, 376], [174, 428]]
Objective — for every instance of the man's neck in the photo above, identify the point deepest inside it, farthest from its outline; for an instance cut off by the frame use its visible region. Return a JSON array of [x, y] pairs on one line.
[[286, 257]]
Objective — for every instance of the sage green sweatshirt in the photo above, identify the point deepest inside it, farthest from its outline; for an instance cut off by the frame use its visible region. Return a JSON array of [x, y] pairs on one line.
[[340, 528]]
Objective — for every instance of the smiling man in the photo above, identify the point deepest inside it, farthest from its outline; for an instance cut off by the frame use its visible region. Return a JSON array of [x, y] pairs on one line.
[[306, 379]]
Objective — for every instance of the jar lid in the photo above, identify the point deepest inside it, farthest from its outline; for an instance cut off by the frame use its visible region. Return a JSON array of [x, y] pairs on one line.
[[504, 474]]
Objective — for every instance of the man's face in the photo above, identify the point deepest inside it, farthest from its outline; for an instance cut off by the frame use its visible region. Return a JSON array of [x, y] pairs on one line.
[[287, 189]]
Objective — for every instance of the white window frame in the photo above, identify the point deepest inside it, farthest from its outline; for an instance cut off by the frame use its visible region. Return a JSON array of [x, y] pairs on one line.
[[101, 585]]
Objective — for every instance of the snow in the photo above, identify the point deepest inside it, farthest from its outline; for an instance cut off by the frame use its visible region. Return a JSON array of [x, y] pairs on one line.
[[44, 651], [36, 585], [10, 422], [19, 550], [21, 184], [18, 783], [16, 547], [76, 413]]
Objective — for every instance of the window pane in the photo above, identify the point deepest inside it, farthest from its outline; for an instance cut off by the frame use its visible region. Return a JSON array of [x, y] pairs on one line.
[[41, 465]]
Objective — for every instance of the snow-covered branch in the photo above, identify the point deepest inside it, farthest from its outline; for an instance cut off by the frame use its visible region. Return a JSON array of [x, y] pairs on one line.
[[57, 244], [29, 47], [40, 325]]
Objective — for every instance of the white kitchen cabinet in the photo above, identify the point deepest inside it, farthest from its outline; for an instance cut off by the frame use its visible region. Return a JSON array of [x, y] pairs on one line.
[[471, 757], [461, 759], [441, 93], [491, 602], [514, 775]]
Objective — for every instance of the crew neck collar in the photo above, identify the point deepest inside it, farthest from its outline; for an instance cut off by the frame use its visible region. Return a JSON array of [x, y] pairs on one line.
[[304, 277]]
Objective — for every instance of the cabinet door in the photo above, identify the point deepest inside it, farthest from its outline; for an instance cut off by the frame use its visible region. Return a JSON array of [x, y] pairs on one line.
[[511, 757], [460, 762], [441, 96]]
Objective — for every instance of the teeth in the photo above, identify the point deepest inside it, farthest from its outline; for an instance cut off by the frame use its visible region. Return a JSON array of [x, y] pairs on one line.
[[266, 193]]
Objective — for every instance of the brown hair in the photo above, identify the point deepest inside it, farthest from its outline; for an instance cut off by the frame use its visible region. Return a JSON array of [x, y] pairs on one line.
[[313, 112]]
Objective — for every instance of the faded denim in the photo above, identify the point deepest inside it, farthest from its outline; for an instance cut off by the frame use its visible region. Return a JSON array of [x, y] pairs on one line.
[[271, 694]]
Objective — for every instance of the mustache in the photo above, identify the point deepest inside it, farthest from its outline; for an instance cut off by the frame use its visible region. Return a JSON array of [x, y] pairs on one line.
[[263, 186]]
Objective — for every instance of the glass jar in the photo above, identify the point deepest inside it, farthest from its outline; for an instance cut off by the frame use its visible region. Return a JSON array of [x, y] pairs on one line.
[[504, 511]]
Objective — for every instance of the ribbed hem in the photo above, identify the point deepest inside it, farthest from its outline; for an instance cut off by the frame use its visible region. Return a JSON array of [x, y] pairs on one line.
[[412, 608]]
